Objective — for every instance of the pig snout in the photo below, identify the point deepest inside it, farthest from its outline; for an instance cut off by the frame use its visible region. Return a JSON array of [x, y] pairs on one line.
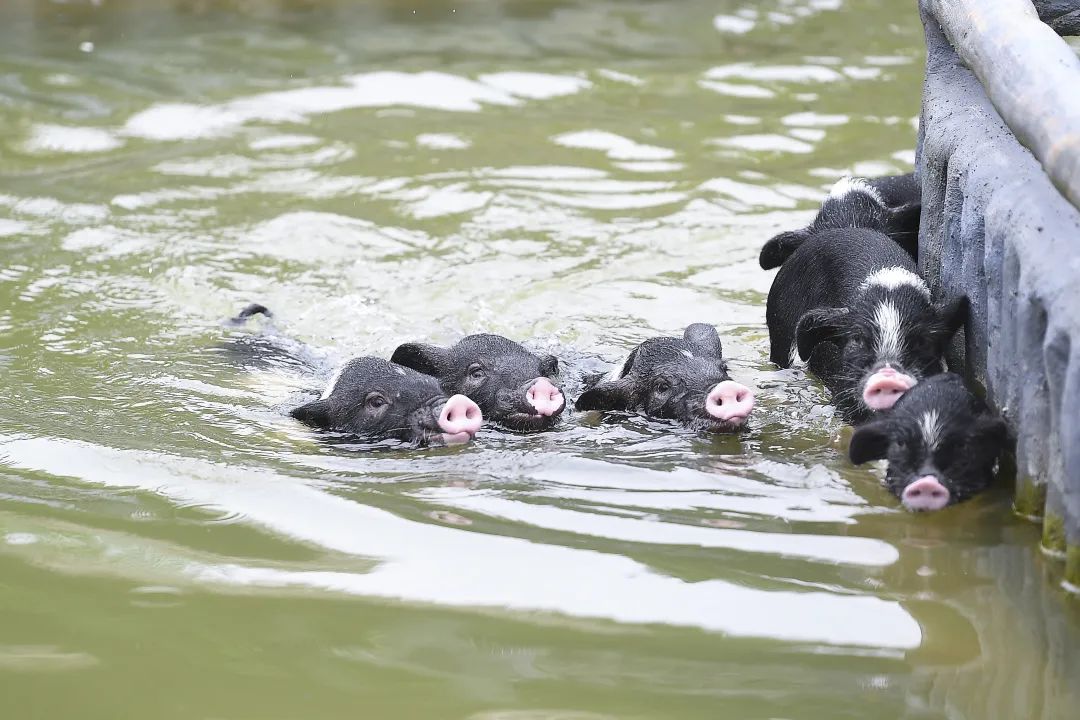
[[459, 419], [926, 493], [885, 387], [730, 401], [545, 398]]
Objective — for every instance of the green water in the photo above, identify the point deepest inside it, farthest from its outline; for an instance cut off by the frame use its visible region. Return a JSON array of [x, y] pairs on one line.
[[579, 174]]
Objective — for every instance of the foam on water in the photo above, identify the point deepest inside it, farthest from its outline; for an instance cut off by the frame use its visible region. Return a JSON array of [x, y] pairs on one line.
[[61, 139]]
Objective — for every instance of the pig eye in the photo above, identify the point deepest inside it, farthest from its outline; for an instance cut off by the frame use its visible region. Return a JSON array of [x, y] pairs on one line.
[[661, 386], [376, 401], [477, 372]]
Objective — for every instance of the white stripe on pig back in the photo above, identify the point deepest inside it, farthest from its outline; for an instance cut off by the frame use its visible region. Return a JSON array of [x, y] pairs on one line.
[[894, 277], [333, 381], [847, 185], [930, 427], [890, 341]]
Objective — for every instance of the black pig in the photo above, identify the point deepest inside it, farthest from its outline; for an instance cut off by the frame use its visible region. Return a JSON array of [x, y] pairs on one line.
[[891, 205], [511, 385], [376, 399], [683, 379], [940, 440], [852, 306]]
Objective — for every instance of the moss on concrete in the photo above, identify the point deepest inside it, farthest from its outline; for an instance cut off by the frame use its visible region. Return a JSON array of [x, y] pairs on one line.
[[1072, 567], [1053, 538], [1030, 498]]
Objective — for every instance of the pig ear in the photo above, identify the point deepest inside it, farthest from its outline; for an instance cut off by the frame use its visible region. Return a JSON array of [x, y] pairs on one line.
[[704, 338], [608, 395], [869, 442], [779, 248], [316, 414], [630, 360], [549, 365], [817, 326], [423, 358], [953, 314]]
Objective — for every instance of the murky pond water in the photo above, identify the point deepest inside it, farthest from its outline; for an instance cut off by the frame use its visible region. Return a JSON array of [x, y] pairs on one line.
[[578, 174]]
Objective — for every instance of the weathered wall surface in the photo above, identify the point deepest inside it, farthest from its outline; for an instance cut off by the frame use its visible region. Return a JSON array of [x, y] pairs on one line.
[[995, 227], [1063, 16]]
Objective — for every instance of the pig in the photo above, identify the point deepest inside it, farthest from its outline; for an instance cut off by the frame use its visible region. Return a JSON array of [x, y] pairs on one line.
[[367, 396], [684, 379], [512, 385], [941, 442], [376, 399], [891, 205], [851, 304]]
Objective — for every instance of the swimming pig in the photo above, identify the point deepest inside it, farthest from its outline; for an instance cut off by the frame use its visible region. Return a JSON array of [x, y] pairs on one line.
[[851, 304], [512, 385], [940, 440], [891, 205], [367, 396], [683, 379], [376, 399]]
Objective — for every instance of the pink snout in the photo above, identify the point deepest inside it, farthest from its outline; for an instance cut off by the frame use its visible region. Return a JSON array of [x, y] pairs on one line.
[[545, 398], [730, 401], [926, 493], [885, 387], [459, 419]]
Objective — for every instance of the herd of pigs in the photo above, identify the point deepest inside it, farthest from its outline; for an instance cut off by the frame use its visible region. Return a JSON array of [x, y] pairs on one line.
[[847, 300]]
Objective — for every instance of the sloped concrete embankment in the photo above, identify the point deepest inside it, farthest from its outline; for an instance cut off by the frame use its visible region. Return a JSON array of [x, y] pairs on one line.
[[999, 162]]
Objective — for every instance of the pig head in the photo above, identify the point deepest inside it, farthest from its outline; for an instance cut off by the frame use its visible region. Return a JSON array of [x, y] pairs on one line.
[[684, 379], [373, 398], [512, 385]]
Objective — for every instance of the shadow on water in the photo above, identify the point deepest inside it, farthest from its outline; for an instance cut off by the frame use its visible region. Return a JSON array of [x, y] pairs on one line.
[[577, 175]]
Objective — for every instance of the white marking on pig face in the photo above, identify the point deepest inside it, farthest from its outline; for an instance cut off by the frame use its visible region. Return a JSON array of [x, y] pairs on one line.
[[930, 427], [400, 371], [894, 277], [848, 185], [686, 353], [333, 382], [890, 341]]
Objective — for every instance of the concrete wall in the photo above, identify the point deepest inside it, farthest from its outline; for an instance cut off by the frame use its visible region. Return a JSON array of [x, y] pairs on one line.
[[994, 226]]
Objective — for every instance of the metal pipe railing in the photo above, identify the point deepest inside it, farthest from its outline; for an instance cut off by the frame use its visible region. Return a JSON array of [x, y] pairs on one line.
[[1029, 73]]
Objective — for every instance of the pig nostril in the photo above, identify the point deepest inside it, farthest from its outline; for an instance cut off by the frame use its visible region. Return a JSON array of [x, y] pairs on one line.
[[544, 397]]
